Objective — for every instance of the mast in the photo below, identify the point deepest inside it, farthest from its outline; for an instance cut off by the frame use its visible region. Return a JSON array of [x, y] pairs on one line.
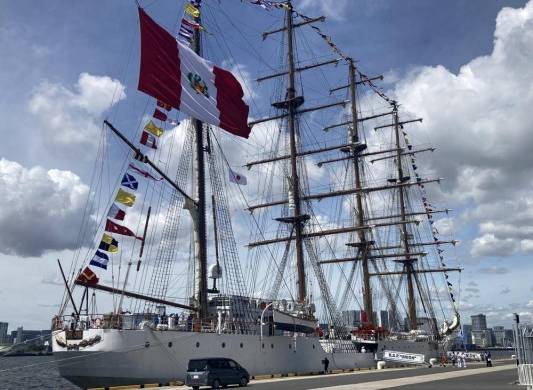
[[364, 244], [201, 230], [408, 261], [297, 219]]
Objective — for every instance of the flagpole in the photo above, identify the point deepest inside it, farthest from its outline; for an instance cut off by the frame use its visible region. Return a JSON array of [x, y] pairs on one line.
[[201, 231], [147, 160], [68, 290]]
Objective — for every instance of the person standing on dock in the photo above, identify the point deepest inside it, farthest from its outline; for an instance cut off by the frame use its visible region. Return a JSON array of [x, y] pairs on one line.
[[326, 365], [488, 358]]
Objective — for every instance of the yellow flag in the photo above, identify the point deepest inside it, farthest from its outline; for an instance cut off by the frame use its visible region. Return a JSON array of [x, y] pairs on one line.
[[192, 10], [109, 244], [125, 197], [151, 128]]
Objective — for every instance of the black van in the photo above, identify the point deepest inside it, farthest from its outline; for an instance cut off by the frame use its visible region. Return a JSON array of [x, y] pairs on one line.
[[215, 372]]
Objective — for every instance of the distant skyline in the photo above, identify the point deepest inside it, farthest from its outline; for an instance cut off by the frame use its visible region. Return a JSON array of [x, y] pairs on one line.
[[462, 65]]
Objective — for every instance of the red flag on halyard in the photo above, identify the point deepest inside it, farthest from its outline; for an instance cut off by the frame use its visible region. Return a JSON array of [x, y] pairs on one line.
[[173, 73], [148, 139], [160, 115], [161, 104], [113, 227], [87, 277]]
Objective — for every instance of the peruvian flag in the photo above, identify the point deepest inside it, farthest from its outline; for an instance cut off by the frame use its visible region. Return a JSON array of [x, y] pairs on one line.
[[174, 74]]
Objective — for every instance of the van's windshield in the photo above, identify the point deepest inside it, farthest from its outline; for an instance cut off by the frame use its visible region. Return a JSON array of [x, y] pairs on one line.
[[197, 365]]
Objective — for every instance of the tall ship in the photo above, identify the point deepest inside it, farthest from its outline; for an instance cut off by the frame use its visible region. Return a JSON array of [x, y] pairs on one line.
[[330, 211]]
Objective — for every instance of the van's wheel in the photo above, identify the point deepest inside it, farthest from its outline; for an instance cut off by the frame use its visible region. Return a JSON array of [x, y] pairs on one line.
[[216, 384], [243, 382]]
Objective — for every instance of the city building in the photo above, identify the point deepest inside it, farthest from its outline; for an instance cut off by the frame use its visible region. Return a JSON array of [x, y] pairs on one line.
[[479, 322], [30, 337], [482, 338], [352, 317], [499, 335], [4, 339], [467, 334], [384, 319], [18, 337], [509, 338]]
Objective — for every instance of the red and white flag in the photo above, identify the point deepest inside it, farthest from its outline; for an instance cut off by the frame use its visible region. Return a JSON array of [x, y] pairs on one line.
[[113, 227], [87, 277], [237, 178], [148, 139], [176, 75]]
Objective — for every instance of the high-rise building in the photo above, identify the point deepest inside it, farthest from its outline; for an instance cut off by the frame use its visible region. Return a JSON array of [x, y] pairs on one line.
[[3, 332], [18, 339], [384, 319], [509, 338], [479, 322], [467, 334], [499, 336], [352, 317]]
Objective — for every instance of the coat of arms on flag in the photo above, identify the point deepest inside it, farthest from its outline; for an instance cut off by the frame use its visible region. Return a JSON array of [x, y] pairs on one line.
[[237, 178]]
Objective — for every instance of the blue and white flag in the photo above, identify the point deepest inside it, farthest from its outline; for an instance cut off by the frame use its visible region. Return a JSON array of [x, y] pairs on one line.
[[130, 181], [100, 260]]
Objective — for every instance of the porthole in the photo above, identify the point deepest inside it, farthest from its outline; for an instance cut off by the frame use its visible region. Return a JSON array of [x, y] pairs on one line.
[[223, 345], [271, 345], [170, 344], [242, 345], [197, 344]]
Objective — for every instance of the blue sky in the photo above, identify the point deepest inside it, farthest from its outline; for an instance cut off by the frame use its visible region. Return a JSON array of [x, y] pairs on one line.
[[46, 104]]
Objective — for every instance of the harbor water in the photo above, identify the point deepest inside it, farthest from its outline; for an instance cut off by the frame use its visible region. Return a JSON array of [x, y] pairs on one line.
[[31, 372]]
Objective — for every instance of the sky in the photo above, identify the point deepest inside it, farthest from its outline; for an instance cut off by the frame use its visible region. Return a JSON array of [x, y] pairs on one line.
[[462, 65]]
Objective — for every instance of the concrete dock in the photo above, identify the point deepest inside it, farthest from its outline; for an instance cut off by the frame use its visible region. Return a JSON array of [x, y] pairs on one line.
[[502, 376]]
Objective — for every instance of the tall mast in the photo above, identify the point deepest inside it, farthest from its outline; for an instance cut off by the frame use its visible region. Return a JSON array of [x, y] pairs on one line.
[[364, 247], [201, 231], [294, 181], [408, 261]]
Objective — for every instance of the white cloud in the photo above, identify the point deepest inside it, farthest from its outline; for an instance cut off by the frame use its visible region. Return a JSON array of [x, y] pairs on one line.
[[69, 118], [333, 9], [479, 119], [490, 245], [495, 270], [41, 209], [445, 225]]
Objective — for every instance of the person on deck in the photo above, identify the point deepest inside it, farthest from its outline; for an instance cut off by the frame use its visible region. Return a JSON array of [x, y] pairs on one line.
[[488, 358]]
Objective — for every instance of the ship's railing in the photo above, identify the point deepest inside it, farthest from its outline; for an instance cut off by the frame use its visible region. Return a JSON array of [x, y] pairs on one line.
[[525, 375], [523, 338], [183, 322]]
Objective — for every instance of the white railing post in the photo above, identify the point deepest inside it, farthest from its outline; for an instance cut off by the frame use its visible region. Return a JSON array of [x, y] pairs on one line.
[[262, 315]]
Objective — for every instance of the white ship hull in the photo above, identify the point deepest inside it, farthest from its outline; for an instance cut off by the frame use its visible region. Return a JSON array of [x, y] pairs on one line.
[[127, 357]]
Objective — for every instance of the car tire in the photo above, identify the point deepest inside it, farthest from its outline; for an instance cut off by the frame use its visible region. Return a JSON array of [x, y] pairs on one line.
[[215, 384], [196, 387], [243, 382]]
